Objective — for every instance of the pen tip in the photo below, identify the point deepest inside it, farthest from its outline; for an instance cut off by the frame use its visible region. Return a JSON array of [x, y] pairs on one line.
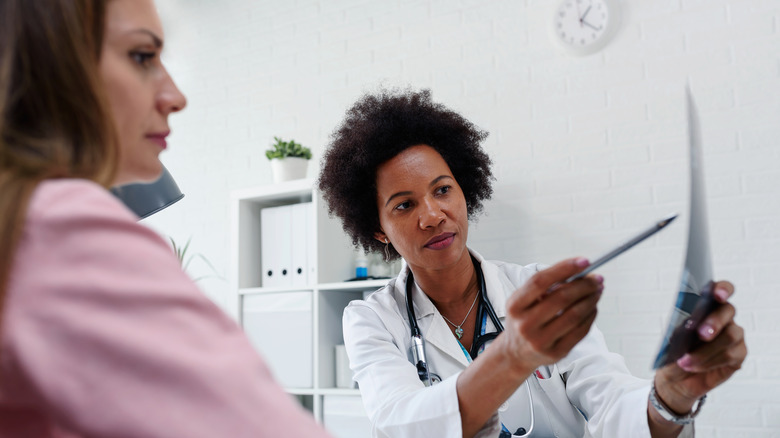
[[665, 222]]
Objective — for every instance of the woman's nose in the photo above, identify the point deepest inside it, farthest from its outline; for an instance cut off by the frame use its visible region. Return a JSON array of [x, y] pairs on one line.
[[169, 98], [431, 214]]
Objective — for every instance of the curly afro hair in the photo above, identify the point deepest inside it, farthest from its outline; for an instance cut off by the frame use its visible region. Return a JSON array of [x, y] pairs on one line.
[[377, 128]]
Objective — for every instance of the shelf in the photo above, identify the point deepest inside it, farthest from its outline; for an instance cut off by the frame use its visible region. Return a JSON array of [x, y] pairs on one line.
[[338, 391], [276, 192], [323, 391], [345, 286], [354, 285], [271, 290], [301, 391]]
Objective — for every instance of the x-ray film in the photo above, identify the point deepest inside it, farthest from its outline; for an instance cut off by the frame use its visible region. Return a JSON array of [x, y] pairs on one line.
[[694, 300]]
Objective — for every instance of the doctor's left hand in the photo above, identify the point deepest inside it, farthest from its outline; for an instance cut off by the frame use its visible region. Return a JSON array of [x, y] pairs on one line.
[[682, 383]]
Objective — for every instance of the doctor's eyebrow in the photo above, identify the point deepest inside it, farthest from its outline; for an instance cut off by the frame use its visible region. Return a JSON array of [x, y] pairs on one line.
[[436, 180], [396, 195]]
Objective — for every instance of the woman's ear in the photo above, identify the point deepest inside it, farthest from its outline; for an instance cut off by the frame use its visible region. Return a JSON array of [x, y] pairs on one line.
[[380, 236]]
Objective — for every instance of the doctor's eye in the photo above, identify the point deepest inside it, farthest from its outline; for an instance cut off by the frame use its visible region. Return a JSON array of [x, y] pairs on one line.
[[443, 190], [403, 206]]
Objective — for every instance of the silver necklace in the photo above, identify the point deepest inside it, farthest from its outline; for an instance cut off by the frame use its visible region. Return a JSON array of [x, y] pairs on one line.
[[458, 329]]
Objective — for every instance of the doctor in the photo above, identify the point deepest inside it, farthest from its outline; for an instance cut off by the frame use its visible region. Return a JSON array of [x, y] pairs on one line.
[[506, 349]]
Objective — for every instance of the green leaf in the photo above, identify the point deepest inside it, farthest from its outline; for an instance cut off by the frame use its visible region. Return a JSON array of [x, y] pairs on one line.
[[281, 149], [185, 259]]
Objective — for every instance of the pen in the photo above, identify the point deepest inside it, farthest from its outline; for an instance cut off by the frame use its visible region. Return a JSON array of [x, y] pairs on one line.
[[624, 247]]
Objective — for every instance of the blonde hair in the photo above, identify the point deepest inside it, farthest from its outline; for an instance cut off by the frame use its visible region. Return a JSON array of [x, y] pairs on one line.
[[54, 119]]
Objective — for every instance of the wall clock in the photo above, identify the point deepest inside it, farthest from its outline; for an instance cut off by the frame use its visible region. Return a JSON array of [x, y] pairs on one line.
[[582, 27]]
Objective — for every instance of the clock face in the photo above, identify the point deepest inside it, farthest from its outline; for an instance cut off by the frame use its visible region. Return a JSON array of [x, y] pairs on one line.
[[582, 25]]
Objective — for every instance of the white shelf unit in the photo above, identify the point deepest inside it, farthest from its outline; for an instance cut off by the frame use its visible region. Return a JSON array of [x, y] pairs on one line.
[[329, 293]]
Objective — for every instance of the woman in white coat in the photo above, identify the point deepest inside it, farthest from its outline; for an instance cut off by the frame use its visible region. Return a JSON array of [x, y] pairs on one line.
[[405, 175]]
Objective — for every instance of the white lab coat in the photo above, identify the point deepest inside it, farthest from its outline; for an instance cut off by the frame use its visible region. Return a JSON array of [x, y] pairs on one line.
[[377, 338]]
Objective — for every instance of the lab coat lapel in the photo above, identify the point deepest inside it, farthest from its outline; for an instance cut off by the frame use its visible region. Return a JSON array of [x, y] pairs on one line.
[[437, 333], [497, 284]]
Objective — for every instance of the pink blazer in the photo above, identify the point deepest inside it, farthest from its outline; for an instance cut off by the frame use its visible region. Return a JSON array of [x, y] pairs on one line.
[[103, 335]]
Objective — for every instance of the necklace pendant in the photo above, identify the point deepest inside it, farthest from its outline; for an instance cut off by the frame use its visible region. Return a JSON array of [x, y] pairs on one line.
[[458, 332]]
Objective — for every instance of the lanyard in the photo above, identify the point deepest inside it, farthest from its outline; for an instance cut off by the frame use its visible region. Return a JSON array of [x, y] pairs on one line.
[[482, 328], [481, 339]]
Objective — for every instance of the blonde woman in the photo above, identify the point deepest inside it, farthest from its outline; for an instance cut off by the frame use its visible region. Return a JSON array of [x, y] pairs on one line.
[[102, 334]]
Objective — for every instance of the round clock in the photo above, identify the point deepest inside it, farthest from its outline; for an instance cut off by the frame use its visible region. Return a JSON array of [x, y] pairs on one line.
[[582, 27]]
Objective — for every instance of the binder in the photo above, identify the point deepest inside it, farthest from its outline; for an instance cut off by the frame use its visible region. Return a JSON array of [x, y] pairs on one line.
[[299, 247], [275, 250], [283, 250], [311, 244], [288, 245], [267, 246]]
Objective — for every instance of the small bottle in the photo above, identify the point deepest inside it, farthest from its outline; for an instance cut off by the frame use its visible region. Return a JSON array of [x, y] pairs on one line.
[[361, 265]]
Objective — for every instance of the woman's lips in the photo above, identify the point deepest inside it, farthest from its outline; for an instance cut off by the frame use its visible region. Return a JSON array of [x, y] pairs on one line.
[[159, 139], [441, 241]]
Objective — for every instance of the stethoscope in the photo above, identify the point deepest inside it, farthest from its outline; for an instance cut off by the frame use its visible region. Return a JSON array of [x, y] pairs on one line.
[[418, 348]]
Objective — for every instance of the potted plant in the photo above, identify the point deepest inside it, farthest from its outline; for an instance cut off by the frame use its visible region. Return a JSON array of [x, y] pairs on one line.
[[185, 258], [289, 160]]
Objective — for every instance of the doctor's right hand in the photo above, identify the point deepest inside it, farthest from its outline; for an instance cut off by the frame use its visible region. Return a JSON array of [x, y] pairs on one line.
[[546, 318]]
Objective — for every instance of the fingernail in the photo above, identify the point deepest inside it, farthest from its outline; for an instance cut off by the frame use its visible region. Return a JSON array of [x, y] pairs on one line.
[[706, 331], [684, 362], [599, 278], [581, 262], [721, 294]]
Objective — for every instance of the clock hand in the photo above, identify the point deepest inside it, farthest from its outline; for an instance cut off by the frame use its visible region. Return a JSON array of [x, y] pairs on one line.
[[582, 17], [590, 25]]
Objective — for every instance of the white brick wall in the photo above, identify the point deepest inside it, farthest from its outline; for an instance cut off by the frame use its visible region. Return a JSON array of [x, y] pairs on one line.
[[587, 150]]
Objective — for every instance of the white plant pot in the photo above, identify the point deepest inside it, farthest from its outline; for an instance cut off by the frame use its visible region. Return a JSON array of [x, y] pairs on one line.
[[289, 168]]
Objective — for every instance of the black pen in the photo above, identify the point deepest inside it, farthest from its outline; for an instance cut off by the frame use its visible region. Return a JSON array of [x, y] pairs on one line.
[[624, 247]]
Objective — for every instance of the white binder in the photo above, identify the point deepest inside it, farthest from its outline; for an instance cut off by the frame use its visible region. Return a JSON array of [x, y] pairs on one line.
[[299, 247], [311, 244], [275, 250], [283, 248], [267, 247]]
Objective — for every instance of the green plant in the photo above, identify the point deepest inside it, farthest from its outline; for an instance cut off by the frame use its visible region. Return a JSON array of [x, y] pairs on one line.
[[282, 149], [185, 259]]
